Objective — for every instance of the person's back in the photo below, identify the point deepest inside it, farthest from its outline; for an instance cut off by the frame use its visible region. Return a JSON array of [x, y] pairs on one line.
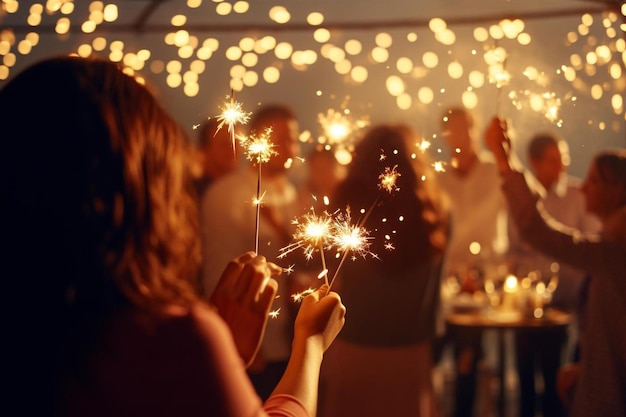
[[99, 228], [600, 387], [563, 199], [383, 364]]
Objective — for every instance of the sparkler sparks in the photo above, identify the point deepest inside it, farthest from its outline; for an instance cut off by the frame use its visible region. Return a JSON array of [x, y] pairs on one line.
[[274, 313], [547, 103], [439, 166], [336, 126], [258, 149], [350, 237], [232, 113], [312, 232], [299, 296], [423, 145], [388, 179]]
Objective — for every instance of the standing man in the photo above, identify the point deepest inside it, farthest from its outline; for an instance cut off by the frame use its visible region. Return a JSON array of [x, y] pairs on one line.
[[563, 199], [214, 155], [479, 224], [228, 211]]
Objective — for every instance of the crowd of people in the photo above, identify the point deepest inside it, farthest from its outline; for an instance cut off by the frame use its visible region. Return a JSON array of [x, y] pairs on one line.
[[140, 284]]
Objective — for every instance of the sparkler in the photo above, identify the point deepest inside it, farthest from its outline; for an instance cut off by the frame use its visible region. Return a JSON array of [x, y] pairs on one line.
[[258, 149], [496, 59], [312, 231], [232, 113], [546, 103], [339, 128], [349, 238]]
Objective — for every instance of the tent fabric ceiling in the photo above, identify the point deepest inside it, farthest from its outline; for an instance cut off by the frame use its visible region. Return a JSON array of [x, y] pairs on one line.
[[155, 15]]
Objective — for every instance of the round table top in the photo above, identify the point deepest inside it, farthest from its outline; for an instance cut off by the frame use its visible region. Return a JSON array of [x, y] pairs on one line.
[[506, 319]]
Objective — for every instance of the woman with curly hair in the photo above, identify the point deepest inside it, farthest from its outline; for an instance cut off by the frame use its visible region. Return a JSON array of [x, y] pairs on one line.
[[382, 362], [101, 257]]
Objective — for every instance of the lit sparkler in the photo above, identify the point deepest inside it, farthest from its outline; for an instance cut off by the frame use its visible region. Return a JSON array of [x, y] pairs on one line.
[[546, 103], [339, 128], [258, 149], [439, 166], [312, 232], [496, 58], [388, 179], [232, 113], [274, 313], [349, 238]]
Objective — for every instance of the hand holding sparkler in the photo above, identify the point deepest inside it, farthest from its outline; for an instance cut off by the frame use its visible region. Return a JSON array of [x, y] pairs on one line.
[[243, 298], [321, 315], [499, 143]]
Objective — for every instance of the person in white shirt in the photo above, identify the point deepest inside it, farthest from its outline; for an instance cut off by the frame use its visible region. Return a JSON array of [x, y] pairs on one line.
[[228, 211], [479, 235], [563, 199]]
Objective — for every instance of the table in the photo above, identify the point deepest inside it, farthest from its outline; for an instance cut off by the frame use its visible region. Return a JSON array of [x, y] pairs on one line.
[[503, 321]]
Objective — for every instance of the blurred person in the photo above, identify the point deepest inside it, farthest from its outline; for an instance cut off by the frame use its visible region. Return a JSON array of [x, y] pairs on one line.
[[600, 380], [383, 363], [479, 235], [214, 154], [323, 175], [227, 211], [562, 198], [99, 230]]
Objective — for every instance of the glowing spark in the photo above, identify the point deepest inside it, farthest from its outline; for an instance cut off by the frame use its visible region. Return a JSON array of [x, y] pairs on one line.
[[258, 201], [289, 269], [274, 313], [297, 297], [382, 157], [349, 237], [388, 179], [322, 274], [423, 145], [232, 113], [499, 76], [389, 246], [258, 149], [336, 126], [439, 166], [312, 232], [195, 127]]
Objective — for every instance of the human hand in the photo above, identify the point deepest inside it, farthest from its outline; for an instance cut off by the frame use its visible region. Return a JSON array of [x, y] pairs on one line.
[[243, 298], [321, 315], [566, 380], [497, 140]]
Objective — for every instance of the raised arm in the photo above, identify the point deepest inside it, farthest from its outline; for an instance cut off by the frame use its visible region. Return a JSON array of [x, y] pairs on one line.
[[319, 320]]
